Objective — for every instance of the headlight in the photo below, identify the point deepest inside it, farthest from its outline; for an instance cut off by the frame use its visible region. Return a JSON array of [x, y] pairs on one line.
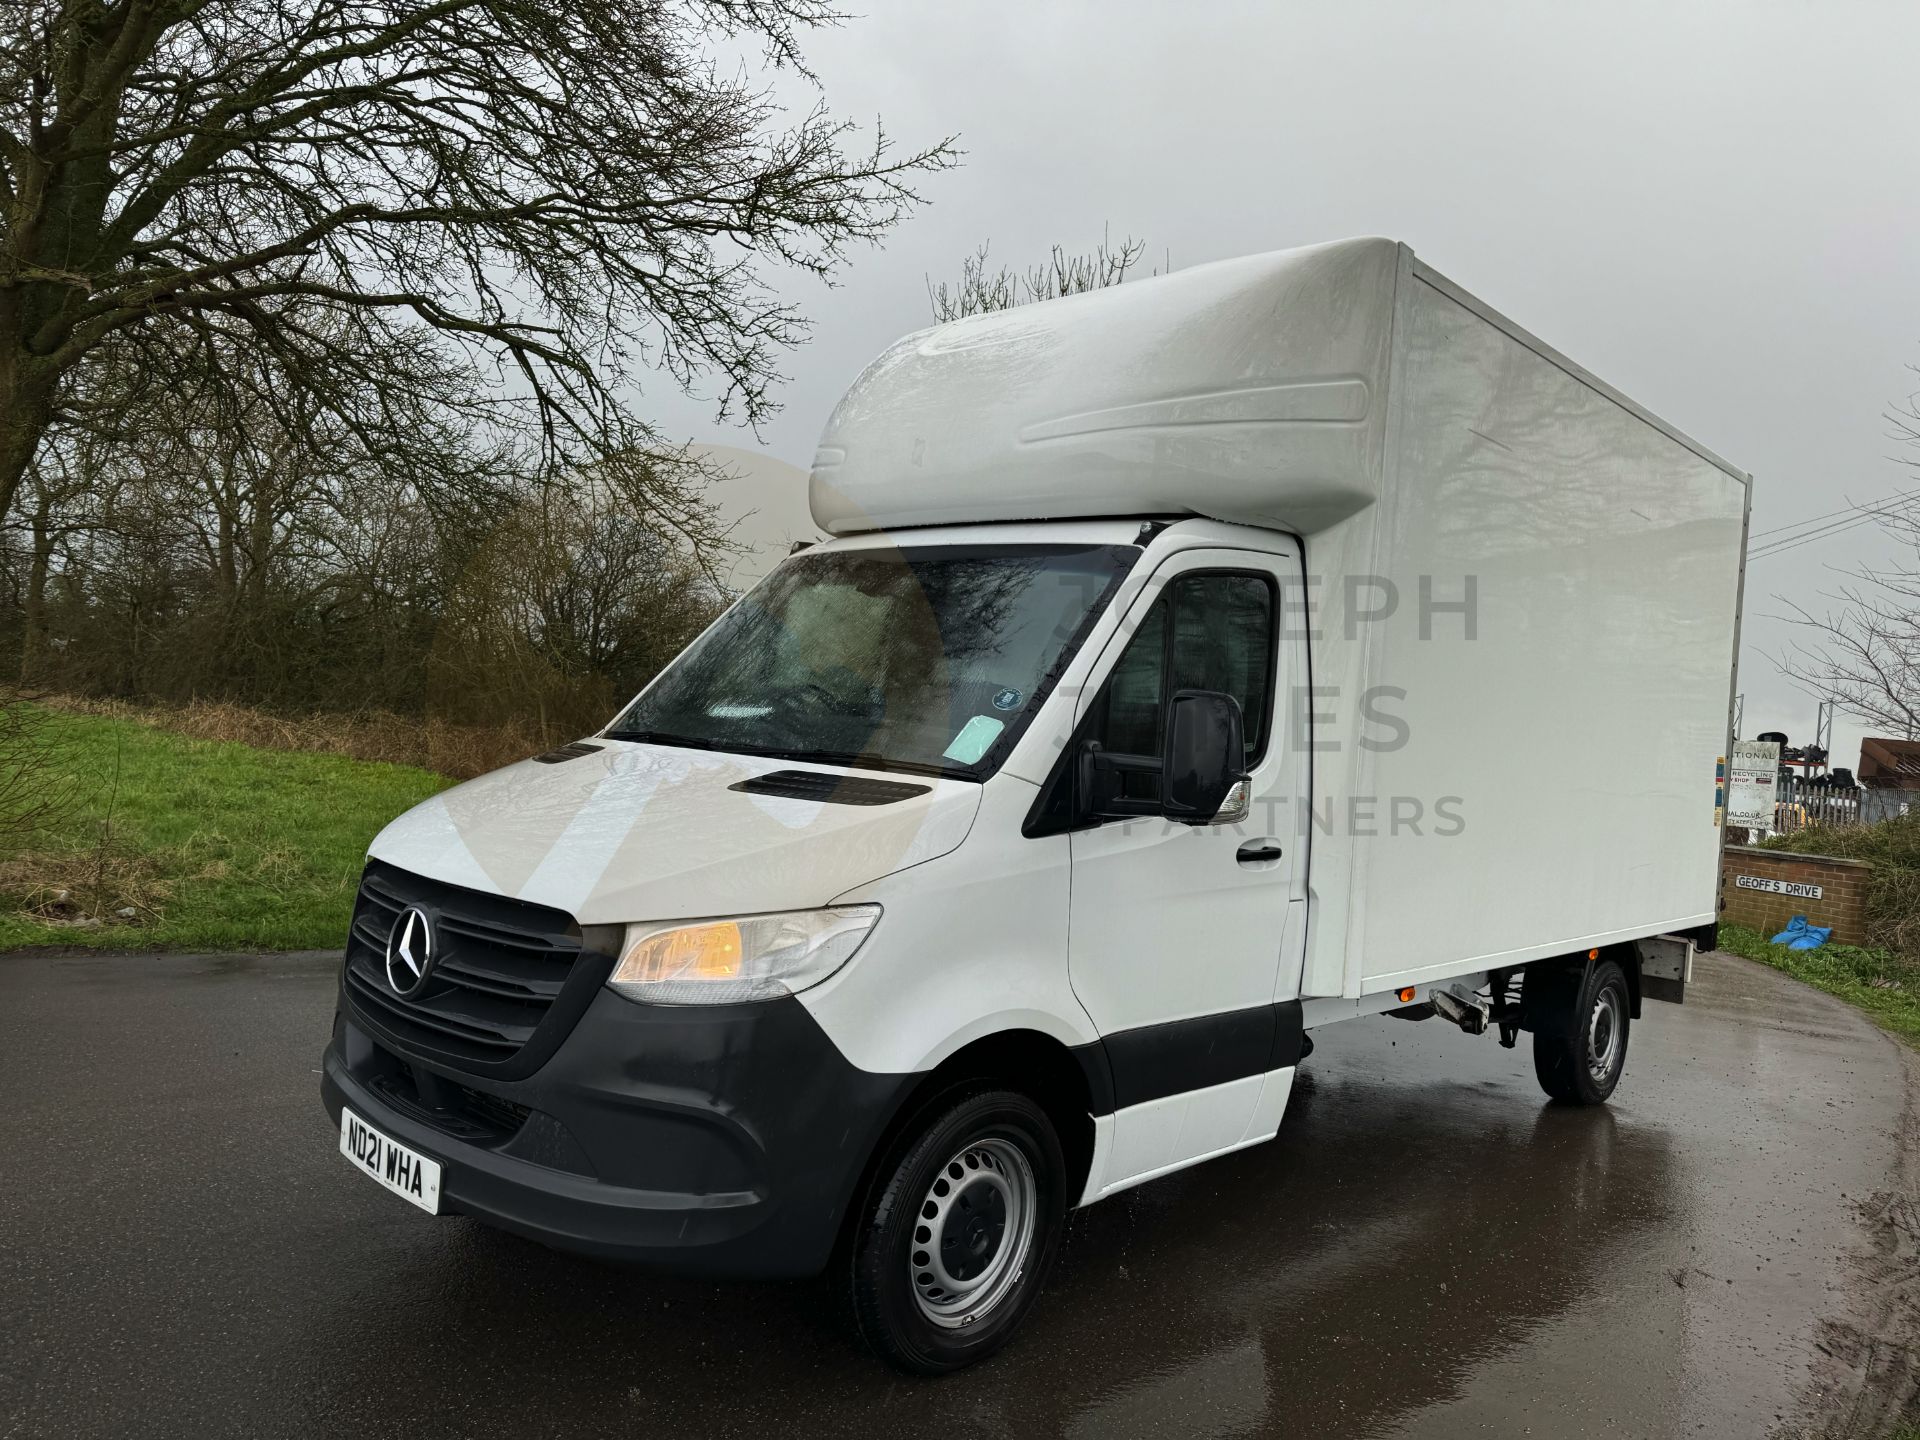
[[752, 957]]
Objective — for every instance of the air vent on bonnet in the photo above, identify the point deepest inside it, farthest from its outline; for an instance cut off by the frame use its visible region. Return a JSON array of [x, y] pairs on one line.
[[830, 789], [569, 752]]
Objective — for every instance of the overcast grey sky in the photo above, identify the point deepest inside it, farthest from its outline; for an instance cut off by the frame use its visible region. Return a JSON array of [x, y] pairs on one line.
[[1716, 207]]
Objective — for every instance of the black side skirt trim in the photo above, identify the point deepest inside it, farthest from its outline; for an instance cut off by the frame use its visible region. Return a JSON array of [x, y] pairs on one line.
[[1155, 1061], [1290, 1042], [1093, 1064]]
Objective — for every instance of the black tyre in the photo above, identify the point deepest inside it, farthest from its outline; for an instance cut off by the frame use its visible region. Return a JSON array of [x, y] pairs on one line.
[[957, 1232], [1581, 1020]]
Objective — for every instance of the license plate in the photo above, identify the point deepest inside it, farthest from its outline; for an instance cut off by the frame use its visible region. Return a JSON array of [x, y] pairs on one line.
[[409, 1174]]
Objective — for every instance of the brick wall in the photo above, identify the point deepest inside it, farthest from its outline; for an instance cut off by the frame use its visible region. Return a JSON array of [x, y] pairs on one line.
[[1843, 891]]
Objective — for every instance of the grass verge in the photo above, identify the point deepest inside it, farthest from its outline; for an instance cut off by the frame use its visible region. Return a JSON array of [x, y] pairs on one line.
[[1885, 985], [210, 845], [428, 742]]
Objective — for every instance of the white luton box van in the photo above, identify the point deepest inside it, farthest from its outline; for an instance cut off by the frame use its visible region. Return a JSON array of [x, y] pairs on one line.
[[1193, 663]]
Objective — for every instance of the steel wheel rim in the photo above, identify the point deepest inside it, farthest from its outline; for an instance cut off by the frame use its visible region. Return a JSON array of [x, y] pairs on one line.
[[1603, 1034], [973, 1233]]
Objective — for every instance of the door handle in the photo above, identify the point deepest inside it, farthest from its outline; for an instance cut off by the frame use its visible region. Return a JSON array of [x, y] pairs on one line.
[[1258, 852]]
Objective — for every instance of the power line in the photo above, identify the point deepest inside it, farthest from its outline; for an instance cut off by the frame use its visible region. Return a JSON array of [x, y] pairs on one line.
[[1794, 542], [1843, 510], [1851, 516]]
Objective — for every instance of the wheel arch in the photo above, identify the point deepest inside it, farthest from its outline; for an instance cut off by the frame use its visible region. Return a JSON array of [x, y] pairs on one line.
[[1628, 957], [1625, 954], [1070, 1084]]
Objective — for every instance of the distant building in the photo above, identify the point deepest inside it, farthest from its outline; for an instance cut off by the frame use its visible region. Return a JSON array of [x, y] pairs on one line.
[[1889, 778]]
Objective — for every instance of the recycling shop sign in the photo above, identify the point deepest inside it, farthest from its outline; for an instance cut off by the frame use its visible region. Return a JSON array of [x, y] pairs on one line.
[[1750, 783]]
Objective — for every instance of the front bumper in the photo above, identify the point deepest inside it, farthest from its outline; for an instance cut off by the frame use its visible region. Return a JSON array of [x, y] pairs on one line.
[[715, 1140]]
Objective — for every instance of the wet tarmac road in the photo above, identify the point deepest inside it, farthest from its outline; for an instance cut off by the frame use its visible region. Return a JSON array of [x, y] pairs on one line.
[[1426, 1250]]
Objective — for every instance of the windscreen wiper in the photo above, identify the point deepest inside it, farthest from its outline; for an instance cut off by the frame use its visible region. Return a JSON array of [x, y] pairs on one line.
[[873, 760], [661, 737]]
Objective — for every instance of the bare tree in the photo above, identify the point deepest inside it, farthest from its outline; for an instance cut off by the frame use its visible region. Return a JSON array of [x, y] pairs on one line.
[[1862, 649], [981, 289], [67, 493], [575, 601], [213, 554], [545, 198]]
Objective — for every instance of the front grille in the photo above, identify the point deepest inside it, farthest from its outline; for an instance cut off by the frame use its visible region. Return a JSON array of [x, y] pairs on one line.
[[499, 966]]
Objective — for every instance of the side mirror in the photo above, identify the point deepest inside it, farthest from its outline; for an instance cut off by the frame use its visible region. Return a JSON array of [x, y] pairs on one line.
[[1204, 765]]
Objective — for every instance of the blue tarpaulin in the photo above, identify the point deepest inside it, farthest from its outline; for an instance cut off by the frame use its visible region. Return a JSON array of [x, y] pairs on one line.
[[1799, 935]]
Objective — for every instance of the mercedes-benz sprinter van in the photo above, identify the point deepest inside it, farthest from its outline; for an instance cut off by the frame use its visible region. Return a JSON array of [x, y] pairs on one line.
[[1193, 664]]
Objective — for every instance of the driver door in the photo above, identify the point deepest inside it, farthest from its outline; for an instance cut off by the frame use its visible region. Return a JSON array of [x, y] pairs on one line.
[[1177, 932]]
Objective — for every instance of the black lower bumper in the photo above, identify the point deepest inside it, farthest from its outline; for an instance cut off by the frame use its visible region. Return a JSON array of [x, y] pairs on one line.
[[716, 1140]]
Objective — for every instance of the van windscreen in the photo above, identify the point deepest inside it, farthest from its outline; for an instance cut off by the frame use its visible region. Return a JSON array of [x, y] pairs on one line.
[[929, 658]]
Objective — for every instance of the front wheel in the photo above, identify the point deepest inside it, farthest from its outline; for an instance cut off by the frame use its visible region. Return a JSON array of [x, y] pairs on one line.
[[958, 1232], [1580, 1025]]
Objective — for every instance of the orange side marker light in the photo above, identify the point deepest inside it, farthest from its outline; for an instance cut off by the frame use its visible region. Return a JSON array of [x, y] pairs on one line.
[[1406, 995]]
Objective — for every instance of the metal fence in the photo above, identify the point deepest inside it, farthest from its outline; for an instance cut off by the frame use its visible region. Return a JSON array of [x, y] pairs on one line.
[[1800, 803], [1881, 802]]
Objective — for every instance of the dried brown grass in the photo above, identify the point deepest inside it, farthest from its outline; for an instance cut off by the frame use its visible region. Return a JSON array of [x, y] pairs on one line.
[[1893, 912], [429, 743], [110, 883], [108, 886]]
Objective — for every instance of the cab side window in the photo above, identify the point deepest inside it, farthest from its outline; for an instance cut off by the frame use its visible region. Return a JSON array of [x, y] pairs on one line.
[[1223, 640], [1132, 704], [1208, 631]]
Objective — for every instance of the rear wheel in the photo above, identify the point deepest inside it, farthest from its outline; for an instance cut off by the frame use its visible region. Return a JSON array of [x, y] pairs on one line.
[[1580, 1024], [958, 1232]]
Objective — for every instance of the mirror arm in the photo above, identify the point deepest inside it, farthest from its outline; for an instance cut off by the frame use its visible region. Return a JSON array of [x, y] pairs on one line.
[[1098, 777]]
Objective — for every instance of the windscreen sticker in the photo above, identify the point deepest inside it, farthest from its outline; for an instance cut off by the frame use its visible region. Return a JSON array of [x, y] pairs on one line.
[[1008, 699], [976, 737]]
